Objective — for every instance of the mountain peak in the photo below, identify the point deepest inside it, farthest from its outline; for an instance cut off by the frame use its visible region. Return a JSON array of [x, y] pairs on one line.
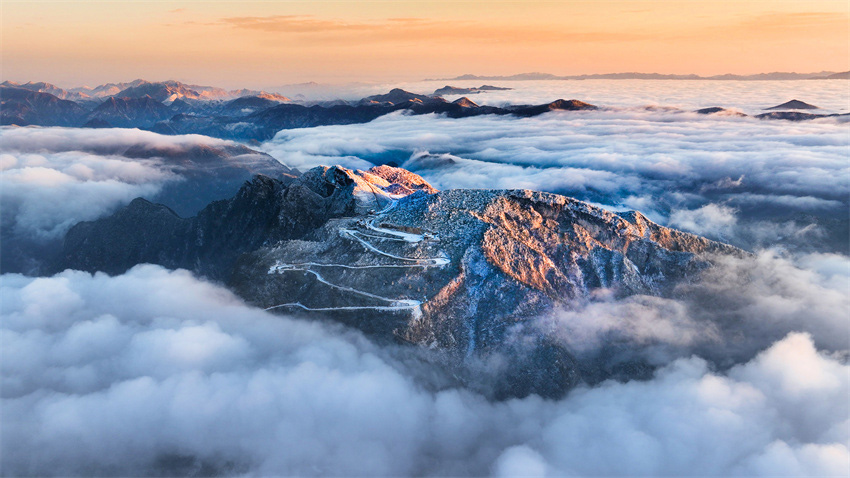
[[398, 96], [570, 105], [793, 105], [465, 102]]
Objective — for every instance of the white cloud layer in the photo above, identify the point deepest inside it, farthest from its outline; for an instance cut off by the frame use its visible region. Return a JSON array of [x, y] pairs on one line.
[[156, 372], [44, 195], [663, 164], [103, 141], [738, 307], [52, 178]]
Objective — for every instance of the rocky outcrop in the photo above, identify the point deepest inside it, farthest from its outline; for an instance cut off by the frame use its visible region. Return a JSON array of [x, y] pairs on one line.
[[264, 211]]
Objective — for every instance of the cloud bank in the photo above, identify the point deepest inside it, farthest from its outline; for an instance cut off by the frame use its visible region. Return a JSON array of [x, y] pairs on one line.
[[738, 308], [52, 178], [44, 195], [749, 182], [156, 372]]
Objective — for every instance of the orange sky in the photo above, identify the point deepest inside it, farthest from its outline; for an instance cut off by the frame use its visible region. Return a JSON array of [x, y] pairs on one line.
[[264, 44]]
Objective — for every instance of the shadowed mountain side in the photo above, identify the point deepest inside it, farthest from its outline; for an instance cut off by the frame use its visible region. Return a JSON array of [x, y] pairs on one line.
[[25, 107], [264, 211], [720, 111], [196, 173], [130, 112], [264, 124], [798, 116]]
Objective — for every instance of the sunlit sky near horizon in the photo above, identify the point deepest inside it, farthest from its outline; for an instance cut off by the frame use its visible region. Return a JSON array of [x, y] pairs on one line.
[[266, 44]]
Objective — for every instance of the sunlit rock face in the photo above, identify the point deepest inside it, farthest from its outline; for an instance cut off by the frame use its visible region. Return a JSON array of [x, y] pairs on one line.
[[463, 271]]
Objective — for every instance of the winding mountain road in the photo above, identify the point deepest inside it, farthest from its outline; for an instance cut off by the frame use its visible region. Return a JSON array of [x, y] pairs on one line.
[[362, 238]]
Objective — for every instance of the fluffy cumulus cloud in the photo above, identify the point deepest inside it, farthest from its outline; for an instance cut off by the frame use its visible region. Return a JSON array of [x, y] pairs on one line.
[[738, 179], [156, 372]]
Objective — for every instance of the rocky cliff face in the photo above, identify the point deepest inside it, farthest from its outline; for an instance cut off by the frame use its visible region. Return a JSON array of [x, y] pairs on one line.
[[462, 271]]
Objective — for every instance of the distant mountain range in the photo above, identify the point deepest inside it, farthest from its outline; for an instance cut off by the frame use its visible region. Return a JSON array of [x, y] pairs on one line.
[[171, 107], [163, 91], [823, 75]]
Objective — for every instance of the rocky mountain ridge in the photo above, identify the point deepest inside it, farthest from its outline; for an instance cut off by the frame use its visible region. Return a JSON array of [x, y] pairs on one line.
[[461, 271]]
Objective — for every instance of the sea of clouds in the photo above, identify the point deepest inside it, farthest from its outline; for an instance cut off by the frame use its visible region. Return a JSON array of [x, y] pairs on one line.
[[742, 180], [157, 372]]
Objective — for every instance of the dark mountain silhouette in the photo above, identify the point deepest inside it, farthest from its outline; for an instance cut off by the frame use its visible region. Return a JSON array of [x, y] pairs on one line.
[[557, 105], [844, 75], [397, 96], [719, 110], [202, 173], [248, 104], [793, 105], [256, 117], [452, 90]]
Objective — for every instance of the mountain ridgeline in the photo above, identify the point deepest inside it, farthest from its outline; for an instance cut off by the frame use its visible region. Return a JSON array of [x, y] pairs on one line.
[[463, 273], [172, 108]]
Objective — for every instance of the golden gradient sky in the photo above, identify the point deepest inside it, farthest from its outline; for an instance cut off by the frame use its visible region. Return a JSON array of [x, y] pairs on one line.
[[264, 44]]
